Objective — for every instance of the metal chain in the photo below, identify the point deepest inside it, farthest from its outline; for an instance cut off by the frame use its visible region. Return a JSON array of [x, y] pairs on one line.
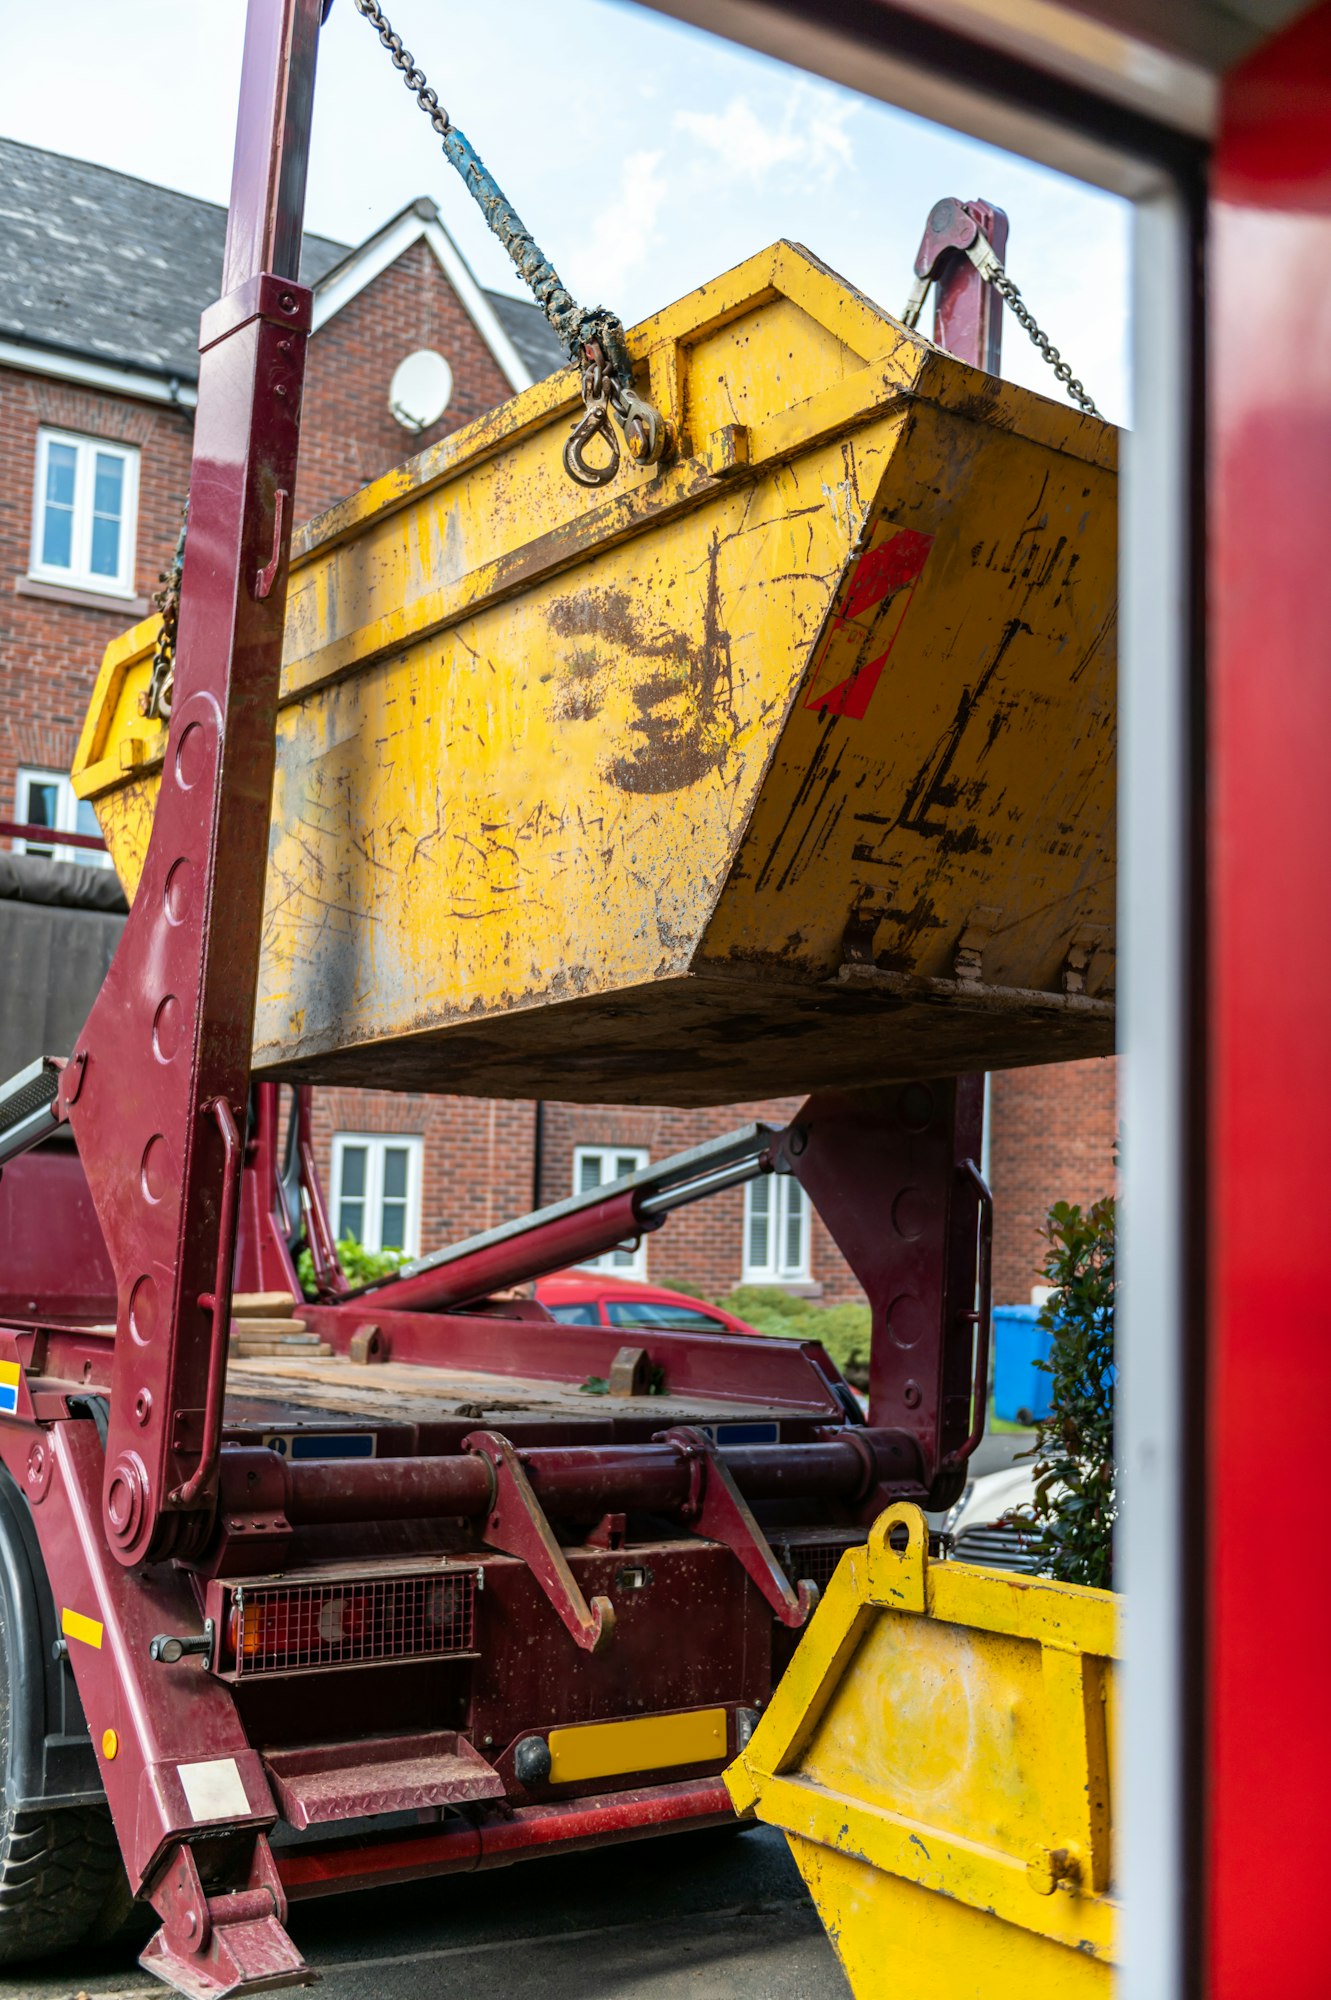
[[161, 685], [594, 340], [404, 60], [1004, 286]]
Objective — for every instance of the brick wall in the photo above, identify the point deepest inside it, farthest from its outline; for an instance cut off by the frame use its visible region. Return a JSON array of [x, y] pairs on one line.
[[1052, 1134], [350, 436], [49, 652], [703, 1245], [477, 1153]]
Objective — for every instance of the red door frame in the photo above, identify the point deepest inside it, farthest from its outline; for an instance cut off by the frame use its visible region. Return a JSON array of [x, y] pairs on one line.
[[1269, 675]]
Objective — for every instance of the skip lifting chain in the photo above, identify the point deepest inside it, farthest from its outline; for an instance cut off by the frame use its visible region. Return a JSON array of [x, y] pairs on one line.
[[987, 262], [594, 340], [161, 686]]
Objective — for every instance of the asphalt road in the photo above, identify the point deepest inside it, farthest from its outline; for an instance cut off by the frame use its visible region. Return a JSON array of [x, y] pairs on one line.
[[702, 1917], [707, 1917], [997, 1449]]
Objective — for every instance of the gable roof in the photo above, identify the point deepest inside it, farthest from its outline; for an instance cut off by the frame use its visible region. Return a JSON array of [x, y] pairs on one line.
[[491, 313], [107, 270]]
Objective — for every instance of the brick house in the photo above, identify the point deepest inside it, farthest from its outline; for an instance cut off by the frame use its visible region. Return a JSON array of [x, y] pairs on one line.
[[106, 277]]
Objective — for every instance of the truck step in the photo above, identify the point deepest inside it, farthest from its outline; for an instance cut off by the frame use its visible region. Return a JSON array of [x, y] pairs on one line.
[[261, 1305], [269, 1329], [243, 1348], [335, 1781]]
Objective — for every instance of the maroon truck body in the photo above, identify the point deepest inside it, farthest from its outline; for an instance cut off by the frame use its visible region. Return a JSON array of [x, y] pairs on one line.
[[364, 1593]]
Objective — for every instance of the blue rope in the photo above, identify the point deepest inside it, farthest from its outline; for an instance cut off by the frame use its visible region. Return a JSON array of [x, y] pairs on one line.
[[572, 323]]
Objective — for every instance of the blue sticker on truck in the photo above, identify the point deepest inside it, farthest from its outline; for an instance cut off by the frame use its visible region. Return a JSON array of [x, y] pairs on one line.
[[769, 1433], [321, 1444]]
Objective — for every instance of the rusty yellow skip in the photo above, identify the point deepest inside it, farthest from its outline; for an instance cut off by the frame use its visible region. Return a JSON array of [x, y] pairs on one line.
[[939, 1754], [790, 763]]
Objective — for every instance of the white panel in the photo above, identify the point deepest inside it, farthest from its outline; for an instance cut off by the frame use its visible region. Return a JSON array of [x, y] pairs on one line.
[[215, 1789], [1152, 931]]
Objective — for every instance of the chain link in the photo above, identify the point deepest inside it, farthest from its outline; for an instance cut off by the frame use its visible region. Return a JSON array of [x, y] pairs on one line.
[[594, 341], [161, 684], [404, 60], [1022, 313]]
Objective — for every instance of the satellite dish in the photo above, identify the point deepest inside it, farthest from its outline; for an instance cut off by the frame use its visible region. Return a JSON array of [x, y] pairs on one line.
[[419, 391]]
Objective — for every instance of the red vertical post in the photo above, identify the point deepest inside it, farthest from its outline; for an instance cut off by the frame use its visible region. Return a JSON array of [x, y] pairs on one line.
[[1268, 1760], [156, 1089], [968, 312], [893, 1173]]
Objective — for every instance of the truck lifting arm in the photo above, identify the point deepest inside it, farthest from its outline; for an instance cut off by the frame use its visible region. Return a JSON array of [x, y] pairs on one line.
[[157, 1084]]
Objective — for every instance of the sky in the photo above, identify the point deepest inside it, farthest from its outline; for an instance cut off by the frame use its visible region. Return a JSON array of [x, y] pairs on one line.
[[645, 157]]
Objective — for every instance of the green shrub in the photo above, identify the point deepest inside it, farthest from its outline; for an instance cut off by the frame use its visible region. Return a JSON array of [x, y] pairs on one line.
[[1076, 1485], [843, 1330], [360, 1266]]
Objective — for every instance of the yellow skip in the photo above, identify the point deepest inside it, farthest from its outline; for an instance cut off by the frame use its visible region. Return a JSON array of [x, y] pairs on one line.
[[786, 764], [938, 1755], [647, 1743], [75, 1626]]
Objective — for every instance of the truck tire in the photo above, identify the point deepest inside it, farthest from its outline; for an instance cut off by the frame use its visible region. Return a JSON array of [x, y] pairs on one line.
[[58, 1869]]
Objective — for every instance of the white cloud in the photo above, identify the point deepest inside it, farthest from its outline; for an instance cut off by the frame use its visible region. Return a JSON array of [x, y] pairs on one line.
[[625, 229], [743, 144]]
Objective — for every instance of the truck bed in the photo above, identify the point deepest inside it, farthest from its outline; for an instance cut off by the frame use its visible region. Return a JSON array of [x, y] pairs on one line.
[[280, 1392]]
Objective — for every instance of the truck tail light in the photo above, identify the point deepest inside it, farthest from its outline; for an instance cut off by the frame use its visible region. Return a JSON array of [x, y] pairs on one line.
[[295, 1628]]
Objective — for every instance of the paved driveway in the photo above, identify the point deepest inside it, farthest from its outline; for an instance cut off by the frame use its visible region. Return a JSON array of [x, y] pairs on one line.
[[708, 1917]]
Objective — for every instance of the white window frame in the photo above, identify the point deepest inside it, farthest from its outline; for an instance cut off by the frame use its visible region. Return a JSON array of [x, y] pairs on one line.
[[783, 1192], [624, 1261], [79, 574], [376, 1145], [67, 804]]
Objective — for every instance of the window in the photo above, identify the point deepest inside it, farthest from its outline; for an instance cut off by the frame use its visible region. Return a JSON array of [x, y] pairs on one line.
[[46, 798], [83, 517], [597, 1166], [377, 1190], [776, 1230], [658, 1312], [575, 1315]]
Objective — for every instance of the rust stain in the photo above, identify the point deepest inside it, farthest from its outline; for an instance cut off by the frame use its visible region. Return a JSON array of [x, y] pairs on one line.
[[679, 682]]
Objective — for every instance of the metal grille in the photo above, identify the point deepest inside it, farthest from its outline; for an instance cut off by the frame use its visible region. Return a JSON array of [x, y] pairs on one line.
[[998, 1547], [294, 1628], [813, 1562], [22, 1099]]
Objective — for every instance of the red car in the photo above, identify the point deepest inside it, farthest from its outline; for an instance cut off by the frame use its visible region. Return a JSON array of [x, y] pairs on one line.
[[597, 1298]]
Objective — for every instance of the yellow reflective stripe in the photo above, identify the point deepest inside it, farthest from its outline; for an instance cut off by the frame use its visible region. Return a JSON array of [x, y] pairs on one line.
[[9, 1372], [75, 1626], [606, 1749]]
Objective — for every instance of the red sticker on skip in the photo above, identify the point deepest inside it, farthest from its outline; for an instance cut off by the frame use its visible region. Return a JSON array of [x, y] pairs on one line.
[[855, 647]]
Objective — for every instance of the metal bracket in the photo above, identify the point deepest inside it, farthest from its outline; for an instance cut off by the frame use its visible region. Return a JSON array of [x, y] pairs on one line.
[[168, 1647], [212, 1946], [517, 1526], [718, 1512], [979, 927]]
